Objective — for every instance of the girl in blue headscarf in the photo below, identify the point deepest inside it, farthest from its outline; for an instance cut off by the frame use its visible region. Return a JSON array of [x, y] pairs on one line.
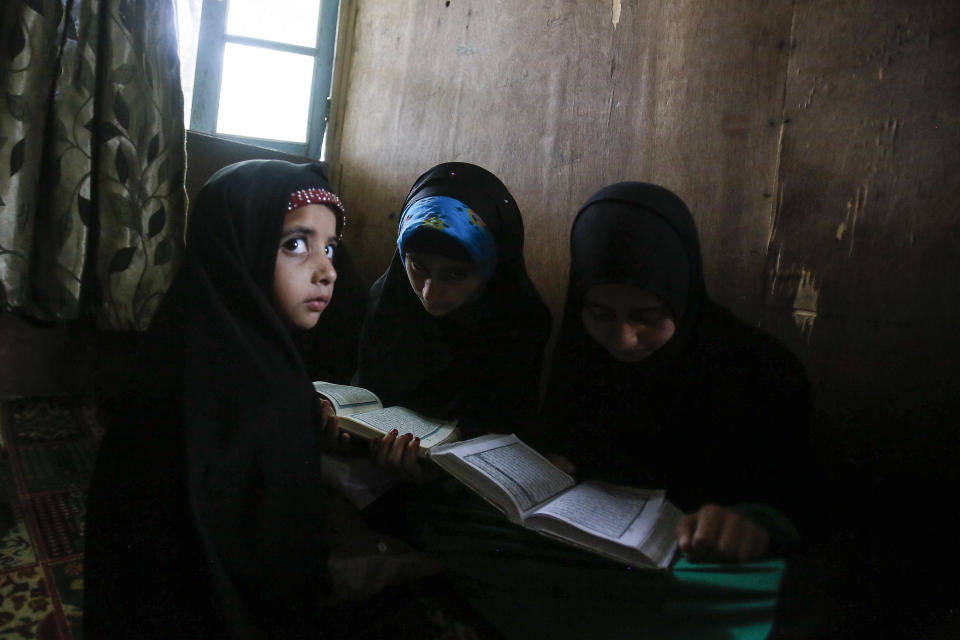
[[455, 328]]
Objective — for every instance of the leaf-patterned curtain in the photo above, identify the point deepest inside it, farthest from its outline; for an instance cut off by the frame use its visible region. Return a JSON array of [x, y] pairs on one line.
[[92, 158]]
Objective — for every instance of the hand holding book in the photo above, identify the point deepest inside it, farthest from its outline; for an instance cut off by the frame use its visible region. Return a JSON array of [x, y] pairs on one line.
[[398, 453], [712, 534], [332, 438]]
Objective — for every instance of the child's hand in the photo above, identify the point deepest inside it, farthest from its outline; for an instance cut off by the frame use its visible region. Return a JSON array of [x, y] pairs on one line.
[[717, 534], [398, 454], [561, 462], [332, 439]]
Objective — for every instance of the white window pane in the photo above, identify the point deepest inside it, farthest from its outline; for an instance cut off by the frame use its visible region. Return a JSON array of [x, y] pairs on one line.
[[264, 93], [290, 21]]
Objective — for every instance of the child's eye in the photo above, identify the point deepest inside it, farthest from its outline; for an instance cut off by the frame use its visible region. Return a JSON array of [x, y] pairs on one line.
[[416, 266], [295, 245], [329, 250], [600, 314], [455, 275], [648, 316]]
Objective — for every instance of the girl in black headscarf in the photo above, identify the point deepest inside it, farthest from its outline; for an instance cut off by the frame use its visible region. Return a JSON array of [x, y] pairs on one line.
[[653, 385], [203, 517], [455, 328], [656, 385]]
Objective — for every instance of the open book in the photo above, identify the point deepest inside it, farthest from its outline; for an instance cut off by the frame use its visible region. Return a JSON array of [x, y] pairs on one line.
[[360, 412], [633, 526]]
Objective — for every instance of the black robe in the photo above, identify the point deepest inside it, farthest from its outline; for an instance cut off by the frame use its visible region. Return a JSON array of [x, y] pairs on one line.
[[719, 414], [203, 517], [481, 364]]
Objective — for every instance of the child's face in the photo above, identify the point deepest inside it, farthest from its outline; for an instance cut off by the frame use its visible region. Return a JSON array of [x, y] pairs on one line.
[[304, 275], [628, 321], [442, 284]]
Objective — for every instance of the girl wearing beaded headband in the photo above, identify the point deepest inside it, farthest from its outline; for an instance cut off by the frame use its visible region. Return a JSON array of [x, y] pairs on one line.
[[317, 195], [212, 461]]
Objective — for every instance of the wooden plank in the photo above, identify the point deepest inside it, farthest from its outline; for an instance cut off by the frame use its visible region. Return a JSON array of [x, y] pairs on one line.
[[558, 98], [208, 154], [863, 260], [342, 63]]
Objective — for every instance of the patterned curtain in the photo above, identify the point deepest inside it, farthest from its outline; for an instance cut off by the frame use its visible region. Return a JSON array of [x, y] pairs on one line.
[[92, 158]]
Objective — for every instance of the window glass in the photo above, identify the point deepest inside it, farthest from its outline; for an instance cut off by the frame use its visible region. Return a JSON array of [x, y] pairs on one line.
[[264, 93], [289, 21]]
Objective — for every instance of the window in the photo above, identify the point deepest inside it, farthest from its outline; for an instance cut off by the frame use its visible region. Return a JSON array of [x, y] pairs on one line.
[[262, 70]]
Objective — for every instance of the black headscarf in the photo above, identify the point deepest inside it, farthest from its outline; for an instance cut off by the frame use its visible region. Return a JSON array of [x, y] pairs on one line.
[[329, 350], [481, 364], [203, 512], [718, 414], [658, 251]]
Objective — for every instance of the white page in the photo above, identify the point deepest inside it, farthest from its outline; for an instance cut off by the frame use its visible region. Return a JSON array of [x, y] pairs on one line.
[[662, 541], [624, 517], [526, 476], [407, 421], [604, 510], [348, 400]]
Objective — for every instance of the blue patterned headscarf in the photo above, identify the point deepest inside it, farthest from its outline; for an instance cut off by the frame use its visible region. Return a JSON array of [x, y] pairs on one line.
[[455, 219]]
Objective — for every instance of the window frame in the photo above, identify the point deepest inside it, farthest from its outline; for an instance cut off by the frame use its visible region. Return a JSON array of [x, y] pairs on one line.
[[213, 37]]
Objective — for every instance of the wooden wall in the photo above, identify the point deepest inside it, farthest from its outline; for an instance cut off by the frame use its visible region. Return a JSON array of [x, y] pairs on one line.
[[815, 141]]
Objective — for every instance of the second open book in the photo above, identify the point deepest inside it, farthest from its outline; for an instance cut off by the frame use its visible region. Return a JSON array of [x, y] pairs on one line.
[[633, 526]]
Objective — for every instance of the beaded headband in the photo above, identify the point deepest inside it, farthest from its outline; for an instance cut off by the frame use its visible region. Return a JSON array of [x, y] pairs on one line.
[[315, 195]]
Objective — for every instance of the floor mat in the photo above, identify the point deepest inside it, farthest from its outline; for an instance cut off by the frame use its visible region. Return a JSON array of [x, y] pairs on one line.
[[47, 450]]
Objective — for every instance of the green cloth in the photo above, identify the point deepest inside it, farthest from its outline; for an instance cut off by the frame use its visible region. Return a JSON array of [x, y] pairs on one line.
[[529, 586], [723, 601]]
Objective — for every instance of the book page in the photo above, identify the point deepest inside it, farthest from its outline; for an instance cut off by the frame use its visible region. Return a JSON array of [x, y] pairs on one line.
[[636, 526], [347, 400], [630, 525], [429, 430], [603, 510], [662, 542], [526, 476]]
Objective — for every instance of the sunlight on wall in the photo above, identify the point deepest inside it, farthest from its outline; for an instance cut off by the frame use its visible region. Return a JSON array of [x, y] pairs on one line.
[[188, 25]]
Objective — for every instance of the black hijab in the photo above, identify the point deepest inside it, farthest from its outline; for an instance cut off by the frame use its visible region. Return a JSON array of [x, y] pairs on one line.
[[481, 364], [330, 349], [716, 413], [203, 517], [640, 234]]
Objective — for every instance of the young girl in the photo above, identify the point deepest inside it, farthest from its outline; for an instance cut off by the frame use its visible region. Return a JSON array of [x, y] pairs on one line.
[[656, 385], [203, 517], [455, 328]]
